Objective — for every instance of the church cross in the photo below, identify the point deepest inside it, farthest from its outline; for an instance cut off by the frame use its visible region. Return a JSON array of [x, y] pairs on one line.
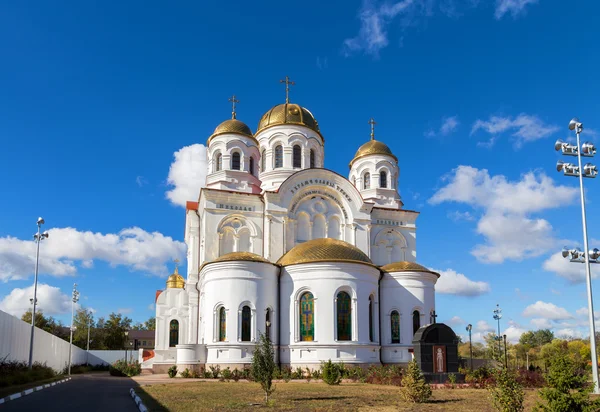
[[233, 101], [287, 82], [372, 123], [432, 316]]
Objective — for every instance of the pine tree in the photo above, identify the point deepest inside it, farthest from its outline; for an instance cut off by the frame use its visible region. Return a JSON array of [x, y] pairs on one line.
[[263, 365], [414, 388]]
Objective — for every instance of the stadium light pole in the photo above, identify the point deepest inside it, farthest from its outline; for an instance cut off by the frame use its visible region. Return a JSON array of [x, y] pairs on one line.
[[498, 316], [74, 300], [469, 329], [589, 170], [38, 237]]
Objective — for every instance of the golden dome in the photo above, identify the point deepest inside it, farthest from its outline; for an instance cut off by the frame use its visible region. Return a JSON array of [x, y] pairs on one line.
[[176, 280], [407, 267], [247, 256], [232, 126], [373, 147], [324, 250], [288, 113]]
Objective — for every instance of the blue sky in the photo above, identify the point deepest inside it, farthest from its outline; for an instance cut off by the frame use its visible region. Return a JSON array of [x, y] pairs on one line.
[[470, 95]]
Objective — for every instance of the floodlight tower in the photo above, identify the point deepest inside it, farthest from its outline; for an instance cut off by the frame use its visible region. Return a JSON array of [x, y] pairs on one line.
[[498, 316], [576, 255], [74, 300], [38, 237]]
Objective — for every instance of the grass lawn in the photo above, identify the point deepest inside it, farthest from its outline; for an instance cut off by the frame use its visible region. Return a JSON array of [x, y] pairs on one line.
[[293, 396], [9, 390]]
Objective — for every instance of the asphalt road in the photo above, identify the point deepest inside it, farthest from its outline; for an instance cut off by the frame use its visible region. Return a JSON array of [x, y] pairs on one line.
[[91, 392]]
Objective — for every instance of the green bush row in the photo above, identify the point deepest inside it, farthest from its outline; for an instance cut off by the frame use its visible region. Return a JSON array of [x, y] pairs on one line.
[[124, 368]]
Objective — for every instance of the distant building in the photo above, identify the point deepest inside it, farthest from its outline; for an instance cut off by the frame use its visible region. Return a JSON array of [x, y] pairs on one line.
[[140, 339]]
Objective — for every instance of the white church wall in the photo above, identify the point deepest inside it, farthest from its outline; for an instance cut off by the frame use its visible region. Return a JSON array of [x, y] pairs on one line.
[[404, 292], [233, 285], [172, 304], [325, 281]]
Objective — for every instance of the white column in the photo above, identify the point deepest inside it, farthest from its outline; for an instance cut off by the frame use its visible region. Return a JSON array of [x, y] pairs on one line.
[[268, 237], [354, 226]]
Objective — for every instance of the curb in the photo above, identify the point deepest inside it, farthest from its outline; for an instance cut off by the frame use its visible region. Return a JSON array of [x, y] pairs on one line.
[[138, 401], [30, 391]]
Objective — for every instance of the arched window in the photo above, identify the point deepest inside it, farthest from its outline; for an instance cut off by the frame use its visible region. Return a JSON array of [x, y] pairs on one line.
[[251, 166], [383, 179], [307, 317], [371, 308], [367, 181], [297, 156], [416, 321], [218, 162], [222, 325], [278, 156], [246, 323], [263, 160], [395, 325], [235, 161], [344, 316], [173, 333], [312, 159], [268, 324]]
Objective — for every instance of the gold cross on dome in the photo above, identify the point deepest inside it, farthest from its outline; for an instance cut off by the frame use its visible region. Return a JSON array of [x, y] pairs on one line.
[[233, 101], [372, 123], [287, 82]]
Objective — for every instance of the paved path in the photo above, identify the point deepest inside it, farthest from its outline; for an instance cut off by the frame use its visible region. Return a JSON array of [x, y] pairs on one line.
[[92, 392]]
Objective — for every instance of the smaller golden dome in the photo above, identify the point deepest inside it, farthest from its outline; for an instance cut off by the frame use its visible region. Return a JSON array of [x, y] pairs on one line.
[[247, 256], [232, 126], [175, 281], [324, 250], [404, 266], [288, 113], [373, 147]]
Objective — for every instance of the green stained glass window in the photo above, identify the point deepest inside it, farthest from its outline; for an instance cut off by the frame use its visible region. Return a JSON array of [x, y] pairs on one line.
[[344, 316], [395, 319], [246, 321], [307, 317], [222, 325], [173, 333]]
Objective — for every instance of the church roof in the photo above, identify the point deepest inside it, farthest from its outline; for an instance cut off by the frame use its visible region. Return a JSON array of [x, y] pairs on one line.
[[288, 113], [176, 281], [245, 256], [404, 266], [233, 126], [373, 147], [324, 250]]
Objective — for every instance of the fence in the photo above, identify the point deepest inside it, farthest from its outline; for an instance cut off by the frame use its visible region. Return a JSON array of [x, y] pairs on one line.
[[47, 348]]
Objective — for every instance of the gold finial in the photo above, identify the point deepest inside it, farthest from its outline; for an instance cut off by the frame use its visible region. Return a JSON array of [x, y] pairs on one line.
[[233, 101], [372, 123], [287, 82], [176, 261]]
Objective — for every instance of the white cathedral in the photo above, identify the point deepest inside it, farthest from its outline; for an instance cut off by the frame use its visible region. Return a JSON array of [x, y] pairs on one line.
[[279, 245]]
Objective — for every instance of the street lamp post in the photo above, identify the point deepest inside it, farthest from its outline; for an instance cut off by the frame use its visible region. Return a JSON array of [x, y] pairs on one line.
[[505, 356], [125, 344], [576, 255], [74, 300], [38, 237], [469, 328], [88, 338]]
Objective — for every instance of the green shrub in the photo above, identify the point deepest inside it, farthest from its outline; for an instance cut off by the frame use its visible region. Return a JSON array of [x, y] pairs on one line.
[[18, 373], [414, 388], [186, 373], [247, 374], [124, 368], [316, 374], [172, 371], [507, 393], [227, 375], [332, 374], [235, 375], [215, 371], [286, 374], [263, 365], [196, 374], [568, 388]]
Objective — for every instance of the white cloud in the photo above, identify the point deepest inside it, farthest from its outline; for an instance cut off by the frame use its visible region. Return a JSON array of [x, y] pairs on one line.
[[513, 332], [541, 323], [133, 247], [374, 22], [141, 181], [453, 283], [506, 206], [514, 7], [187, 174], [449, 125], [526, 128], [483, 326], [50, 300], [568, 333], [546, 310], [572, 271], [457, 216], [124, 311], [455, 321], [583, 312]]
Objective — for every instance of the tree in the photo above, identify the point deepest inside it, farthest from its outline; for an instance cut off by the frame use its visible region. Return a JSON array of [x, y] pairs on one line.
[[465, 351], [414, 388], [83, 318], [46, 323], [114, 330], [537, 338], [507, 394], [263, 365], [150, 324]]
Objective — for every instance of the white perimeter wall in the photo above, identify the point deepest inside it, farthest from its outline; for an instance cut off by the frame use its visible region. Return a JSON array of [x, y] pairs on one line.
[[47, 348]]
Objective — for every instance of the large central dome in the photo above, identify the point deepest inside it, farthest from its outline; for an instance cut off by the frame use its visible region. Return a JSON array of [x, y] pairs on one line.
[[288, 113], [324, 250]]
